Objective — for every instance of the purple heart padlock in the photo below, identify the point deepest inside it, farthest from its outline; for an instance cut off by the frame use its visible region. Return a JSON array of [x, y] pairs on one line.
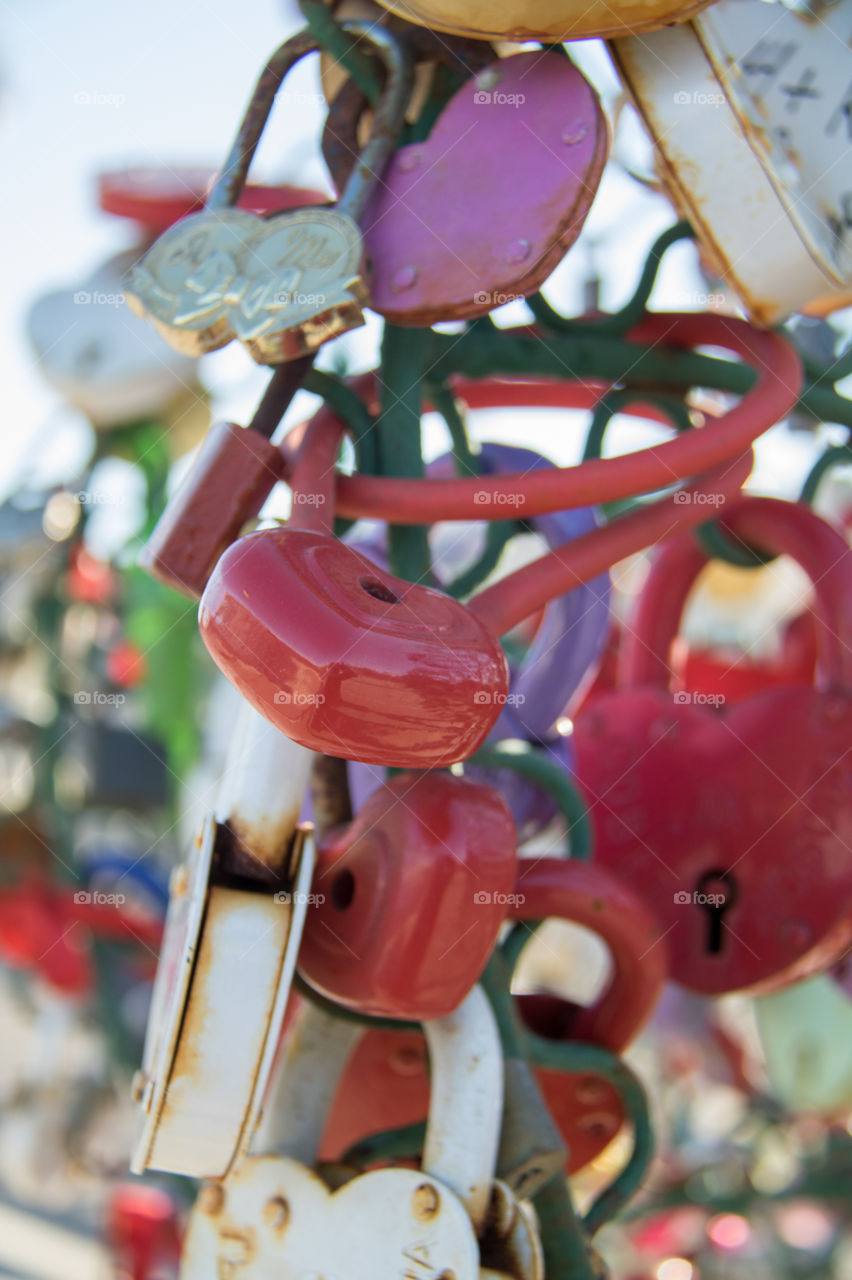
[[446, 233], [569, 639]]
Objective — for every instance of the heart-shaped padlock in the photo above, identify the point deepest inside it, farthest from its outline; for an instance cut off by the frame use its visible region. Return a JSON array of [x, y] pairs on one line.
[[388, 1221], [530, 121], [284, 285], [734, 824], [410, 897]]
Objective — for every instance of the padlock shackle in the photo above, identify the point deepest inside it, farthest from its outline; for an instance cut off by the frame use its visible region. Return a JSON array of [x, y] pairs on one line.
[[588, 895], [388, 120], [465, 1102], [775, 526], [314, 477]]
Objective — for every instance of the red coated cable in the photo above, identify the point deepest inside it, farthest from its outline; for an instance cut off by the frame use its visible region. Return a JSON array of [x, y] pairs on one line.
[[779, 379], [506, 603]]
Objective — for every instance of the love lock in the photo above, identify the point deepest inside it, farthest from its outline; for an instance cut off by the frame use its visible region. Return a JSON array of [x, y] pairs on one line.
[[733, 823], [433, 258], [282, 285], [274, 1217], [408, 936], [232, 933]]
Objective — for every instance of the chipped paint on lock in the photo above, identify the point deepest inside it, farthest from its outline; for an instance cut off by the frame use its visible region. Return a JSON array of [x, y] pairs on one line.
[[686, 80], [214, 1038]]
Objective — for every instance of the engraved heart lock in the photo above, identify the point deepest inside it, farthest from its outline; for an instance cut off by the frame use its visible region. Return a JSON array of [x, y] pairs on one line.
[[410, 897], [282, 285], [276, 1217], [733, 823], [445, 231]]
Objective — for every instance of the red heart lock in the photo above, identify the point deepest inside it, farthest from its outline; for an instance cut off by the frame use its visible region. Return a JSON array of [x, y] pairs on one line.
[[413, 892], [734, 823]]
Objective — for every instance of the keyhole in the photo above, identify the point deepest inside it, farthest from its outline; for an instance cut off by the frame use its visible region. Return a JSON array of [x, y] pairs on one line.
[[379, 591], [715, 893]]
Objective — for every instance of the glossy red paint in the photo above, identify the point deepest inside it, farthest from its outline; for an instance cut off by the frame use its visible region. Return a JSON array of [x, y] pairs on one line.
[[598, 899], [414, 891], [350, 660], [733, 823]]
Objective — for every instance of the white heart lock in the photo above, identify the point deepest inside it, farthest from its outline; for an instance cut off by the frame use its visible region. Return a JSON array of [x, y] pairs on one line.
[[273, 1218]]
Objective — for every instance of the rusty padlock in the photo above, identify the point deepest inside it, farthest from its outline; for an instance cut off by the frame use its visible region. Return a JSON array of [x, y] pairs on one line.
[[275, 1216], [529, 121], [282, 285], [734, 824], [228, 957], [409, 898]]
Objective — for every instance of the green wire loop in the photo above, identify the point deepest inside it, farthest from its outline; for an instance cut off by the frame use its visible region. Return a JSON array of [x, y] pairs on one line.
[[467, 462], [528, 761], [571, 1056], [614, 401], [718, 544], [404, 361], [498, 535], [350, 408], [837, 455], [616, 322], [337, 42], [303, 989]]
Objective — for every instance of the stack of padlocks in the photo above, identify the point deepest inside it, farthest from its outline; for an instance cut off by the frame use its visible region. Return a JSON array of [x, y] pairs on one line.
[[303, 959]]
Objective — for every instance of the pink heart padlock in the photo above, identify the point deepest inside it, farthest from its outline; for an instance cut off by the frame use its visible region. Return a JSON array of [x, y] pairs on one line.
[[445, 231], [733, 822]]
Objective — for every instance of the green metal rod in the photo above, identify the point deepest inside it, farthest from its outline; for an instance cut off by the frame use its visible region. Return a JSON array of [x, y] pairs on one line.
[[523, 758], [567, 1055]]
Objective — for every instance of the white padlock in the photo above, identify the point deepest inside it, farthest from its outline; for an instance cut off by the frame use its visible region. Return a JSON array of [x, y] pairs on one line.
[[749, 107], [274, 1217], [229, 951]]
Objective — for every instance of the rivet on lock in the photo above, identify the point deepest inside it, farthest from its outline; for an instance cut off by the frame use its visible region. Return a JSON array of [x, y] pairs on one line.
[[232, 934], [282, 285], [275, 1217]]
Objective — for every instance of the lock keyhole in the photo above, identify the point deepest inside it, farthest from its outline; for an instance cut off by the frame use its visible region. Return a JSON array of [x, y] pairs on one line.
[[379, 591], [342, 890], [715, 893]]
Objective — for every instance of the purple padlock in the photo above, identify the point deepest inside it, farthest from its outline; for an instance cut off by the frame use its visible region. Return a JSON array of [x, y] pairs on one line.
[[446, 232]]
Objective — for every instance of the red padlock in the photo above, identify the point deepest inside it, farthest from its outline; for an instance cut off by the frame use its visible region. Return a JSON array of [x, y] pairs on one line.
[[386, 1083], [410, 897], [734, 824], [349, 660]]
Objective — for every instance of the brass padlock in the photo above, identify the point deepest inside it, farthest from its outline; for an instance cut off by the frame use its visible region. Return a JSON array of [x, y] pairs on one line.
[[285, 284]]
